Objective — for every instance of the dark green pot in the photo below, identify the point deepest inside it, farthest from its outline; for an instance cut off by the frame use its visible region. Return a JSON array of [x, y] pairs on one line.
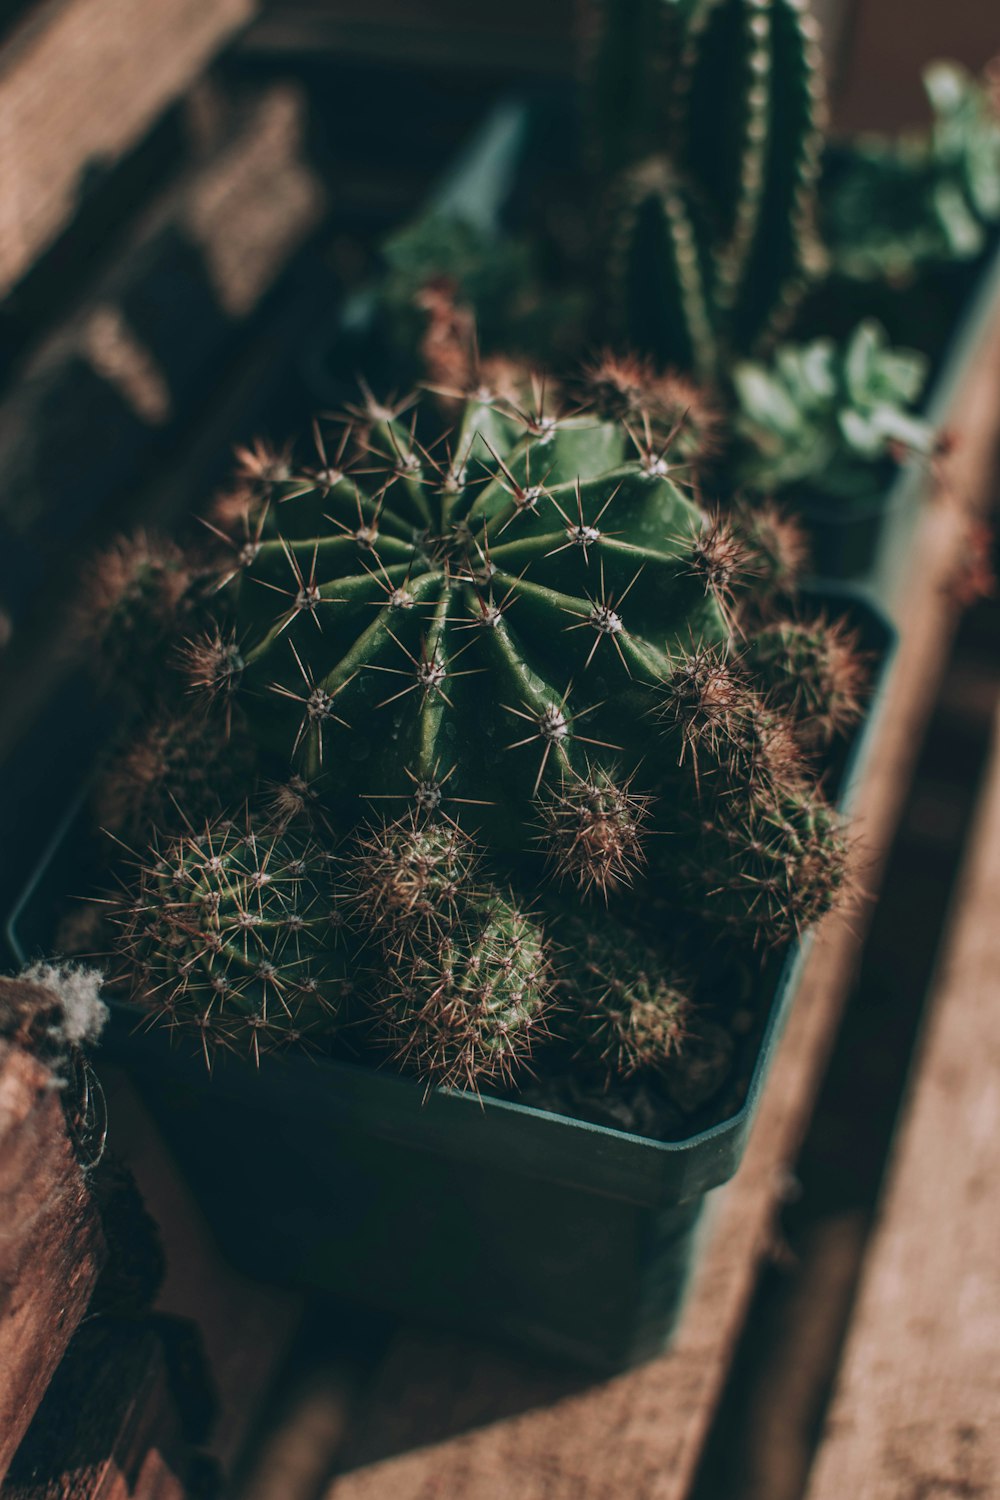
[[572, 1238]]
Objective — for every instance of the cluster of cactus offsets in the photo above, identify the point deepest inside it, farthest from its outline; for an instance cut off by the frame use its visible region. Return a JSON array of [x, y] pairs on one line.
[[715, 166], [235, 933], [828, 420], [894, 207], [516, 672]]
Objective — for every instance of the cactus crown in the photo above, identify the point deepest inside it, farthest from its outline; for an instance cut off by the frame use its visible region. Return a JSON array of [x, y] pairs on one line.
[[477, 631], [713, 110]]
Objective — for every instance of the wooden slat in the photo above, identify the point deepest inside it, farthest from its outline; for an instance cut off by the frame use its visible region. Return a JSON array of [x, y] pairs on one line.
[[109, 1427], [917, 1408], [518, 36], [99, 398], [80, 82], [51, 1245], [521, 1431], [246, 1329]]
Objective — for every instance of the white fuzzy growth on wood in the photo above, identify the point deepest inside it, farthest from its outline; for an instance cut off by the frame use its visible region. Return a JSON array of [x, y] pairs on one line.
[[78, 990]]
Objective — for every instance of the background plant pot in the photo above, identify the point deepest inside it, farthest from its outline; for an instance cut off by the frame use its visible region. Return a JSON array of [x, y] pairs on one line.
[[843, 537], [572, 1237]]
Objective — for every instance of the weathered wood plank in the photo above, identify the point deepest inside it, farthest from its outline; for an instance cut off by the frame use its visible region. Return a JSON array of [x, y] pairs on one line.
[[51, 1245], [519, 36], [103, 395], [80, 81], [520, 1431], [245, 1328], [917, 1407], [108, 1428]]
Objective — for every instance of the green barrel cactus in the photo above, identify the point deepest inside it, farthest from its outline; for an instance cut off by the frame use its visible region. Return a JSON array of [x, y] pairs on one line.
[[482, 632], [234, 933], [493, 679], [714, 178]]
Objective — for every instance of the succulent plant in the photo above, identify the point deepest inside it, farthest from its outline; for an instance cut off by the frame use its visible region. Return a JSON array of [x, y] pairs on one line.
[[135, 594], [813, 671], [713, 110], [627, 1010], [826, 420], [176, 770], [515, 670], [896, 207], [236, 934], [464, 1005], [478, 634]]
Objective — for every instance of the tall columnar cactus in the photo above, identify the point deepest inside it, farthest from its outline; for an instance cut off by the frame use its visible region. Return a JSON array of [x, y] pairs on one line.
[[713, 186]]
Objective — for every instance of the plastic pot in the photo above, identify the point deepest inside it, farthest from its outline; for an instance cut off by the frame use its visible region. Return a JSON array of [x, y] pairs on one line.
[[570, 1237]]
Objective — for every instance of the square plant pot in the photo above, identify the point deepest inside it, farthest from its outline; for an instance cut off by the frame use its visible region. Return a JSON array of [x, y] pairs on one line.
[[573, 1238]]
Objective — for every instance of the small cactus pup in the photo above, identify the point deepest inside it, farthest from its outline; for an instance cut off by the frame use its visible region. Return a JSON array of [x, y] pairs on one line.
[[134, 594], [713, 172], [895, 208], [234, 935], [626, 1009], [830, 421], [464, 1005], [813, 671], [178, 768]]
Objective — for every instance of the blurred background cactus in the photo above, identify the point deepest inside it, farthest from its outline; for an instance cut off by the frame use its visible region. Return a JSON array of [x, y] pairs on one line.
[[712, 170]]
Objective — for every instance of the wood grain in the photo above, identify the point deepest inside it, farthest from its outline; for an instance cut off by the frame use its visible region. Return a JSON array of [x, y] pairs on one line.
[[246, 1329], [917, 1407], [51, 1245], [108, 1428], [80, 82], [522, 1433]]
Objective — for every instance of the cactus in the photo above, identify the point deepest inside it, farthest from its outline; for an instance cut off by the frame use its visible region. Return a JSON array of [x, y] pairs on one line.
[[713, 191], [464, 1006], [176, 770], [628, 1011], [896, 207], [523, 664], [234, 935], [813, 671], [770, 868], [478, 633], [135, 594], [827, 419]]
